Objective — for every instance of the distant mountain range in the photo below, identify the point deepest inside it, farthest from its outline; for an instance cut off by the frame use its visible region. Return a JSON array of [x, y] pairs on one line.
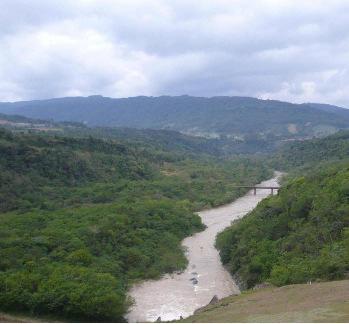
[[232, 117]]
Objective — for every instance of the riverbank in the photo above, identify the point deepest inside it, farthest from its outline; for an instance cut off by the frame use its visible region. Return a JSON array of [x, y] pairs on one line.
[[317, 302], [179, 295]]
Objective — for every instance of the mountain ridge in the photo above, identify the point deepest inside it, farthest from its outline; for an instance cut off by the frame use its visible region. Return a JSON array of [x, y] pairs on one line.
[[213, 117]]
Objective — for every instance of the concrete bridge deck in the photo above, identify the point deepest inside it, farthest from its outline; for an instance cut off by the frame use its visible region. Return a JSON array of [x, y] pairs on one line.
[[271, 188]]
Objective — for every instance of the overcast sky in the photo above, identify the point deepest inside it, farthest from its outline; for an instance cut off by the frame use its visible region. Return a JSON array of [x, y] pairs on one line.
[[290, 50]]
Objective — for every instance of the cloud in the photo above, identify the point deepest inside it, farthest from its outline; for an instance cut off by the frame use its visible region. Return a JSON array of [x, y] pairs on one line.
[[294, 50]]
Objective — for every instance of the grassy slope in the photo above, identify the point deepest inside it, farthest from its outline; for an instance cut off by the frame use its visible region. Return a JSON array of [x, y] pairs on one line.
[[319, 302]]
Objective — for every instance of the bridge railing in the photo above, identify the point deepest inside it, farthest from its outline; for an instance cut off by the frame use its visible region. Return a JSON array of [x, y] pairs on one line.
[[271, 188]]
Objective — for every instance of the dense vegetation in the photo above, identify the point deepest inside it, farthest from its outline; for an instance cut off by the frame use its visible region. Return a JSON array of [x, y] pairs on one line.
[[160, 140], [307, 153], [84, 213], [302, 234], [54, 171], [168, 140], [83, 218], [231, 116]]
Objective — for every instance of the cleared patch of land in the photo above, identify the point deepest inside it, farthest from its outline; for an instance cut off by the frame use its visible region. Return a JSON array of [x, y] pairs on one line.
[[317, 302], [23, 318], [7, 318]]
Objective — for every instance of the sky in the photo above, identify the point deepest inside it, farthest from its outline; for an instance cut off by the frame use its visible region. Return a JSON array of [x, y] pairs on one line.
[[290, 50]]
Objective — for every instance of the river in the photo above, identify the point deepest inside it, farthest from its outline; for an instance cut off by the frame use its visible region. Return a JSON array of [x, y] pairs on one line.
[[181, 294]]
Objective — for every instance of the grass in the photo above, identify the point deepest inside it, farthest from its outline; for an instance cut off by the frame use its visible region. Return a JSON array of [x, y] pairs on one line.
[[318, 302]]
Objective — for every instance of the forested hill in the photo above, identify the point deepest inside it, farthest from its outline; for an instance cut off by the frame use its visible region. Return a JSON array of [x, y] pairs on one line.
[[82, 218], [298, 236], [231, 116], [309, 153], [160, 140], [302, 234]]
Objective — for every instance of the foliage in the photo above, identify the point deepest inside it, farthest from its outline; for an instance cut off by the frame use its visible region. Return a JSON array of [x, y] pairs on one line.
[[302, 234], [170, 141], [83, 218], [308, 153], [209, 117]]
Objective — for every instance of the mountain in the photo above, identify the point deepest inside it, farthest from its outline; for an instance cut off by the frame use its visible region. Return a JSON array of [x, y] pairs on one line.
[[329, 108], [234, 117]]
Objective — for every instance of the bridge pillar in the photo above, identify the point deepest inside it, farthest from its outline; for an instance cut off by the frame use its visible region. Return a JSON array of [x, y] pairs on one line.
[[254, 191], [272, 191]]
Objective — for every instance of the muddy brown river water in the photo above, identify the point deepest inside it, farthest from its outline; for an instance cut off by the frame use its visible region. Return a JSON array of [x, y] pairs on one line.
[[181, 294]]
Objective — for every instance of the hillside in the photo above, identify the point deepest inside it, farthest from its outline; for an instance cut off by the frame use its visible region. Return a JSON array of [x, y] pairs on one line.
[[170, 141], [318, 302], [81, 219], [307, 153], [329, 108], [158, 139], [299, 235], [236, 117]]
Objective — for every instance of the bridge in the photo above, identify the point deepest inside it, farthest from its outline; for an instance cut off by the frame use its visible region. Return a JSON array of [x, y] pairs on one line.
[[271, 188]]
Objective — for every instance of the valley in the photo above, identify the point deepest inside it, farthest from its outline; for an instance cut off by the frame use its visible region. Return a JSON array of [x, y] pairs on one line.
[[179, 295], [174, 161], [93, 218], [90, 217]]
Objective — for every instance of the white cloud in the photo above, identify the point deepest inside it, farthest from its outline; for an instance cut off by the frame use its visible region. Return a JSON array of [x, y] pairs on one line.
[[294, 50]]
